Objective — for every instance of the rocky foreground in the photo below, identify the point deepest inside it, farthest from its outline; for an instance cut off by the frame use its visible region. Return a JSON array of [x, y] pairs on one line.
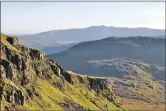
[[31, 81]]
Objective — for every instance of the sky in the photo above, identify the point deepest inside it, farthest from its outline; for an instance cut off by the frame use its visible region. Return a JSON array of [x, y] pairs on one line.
[[34, 17]]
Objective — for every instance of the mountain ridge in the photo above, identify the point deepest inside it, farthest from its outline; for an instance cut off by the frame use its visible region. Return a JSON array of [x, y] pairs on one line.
[[134, 43], [31, 81], [50, 38]]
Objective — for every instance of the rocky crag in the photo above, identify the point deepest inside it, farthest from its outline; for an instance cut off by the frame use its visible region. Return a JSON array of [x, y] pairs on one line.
[[31, 81]]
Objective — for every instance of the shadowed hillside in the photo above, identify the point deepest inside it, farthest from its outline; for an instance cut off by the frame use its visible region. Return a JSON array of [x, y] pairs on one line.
[[147, 49], [135, 65]]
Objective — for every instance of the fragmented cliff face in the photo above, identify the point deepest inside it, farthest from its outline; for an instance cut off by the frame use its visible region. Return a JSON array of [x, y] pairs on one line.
[[30, 81]]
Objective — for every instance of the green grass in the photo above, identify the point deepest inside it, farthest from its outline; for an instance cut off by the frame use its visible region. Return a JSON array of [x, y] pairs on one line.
[[50, 95]]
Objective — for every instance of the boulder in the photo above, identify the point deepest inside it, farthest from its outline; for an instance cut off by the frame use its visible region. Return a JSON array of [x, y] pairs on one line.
[[19, 98], [36, 54], [67, 77], [12, 40], [25, 64], [97, 83], [11, 73], [3, 72]]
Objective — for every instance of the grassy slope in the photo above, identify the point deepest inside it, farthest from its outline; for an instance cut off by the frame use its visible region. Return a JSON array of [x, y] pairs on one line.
[[50, 95]]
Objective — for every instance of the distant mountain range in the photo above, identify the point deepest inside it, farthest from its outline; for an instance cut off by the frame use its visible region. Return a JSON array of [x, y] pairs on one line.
[[147, 49], [56, 38]]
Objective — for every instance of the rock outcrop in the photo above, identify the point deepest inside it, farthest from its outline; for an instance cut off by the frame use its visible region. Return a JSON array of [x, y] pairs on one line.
[[15, 97], [12, 40]]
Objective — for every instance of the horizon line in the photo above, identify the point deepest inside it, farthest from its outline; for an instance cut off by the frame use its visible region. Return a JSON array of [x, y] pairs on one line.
[[79, 28]]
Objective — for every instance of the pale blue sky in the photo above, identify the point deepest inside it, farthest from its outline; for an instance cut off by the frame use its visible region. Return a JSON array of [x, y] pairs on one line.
[[34, 17]]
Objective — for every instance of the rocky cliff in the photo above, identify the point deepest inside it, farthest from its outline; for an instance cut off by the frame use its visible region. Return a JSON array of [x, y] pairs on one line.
[[31, 81]]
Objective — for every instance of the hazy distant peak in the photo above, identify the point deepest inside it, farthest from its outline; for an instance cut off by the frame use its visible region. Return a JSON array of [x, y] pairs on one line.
[[86, 34], [101, 26]]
